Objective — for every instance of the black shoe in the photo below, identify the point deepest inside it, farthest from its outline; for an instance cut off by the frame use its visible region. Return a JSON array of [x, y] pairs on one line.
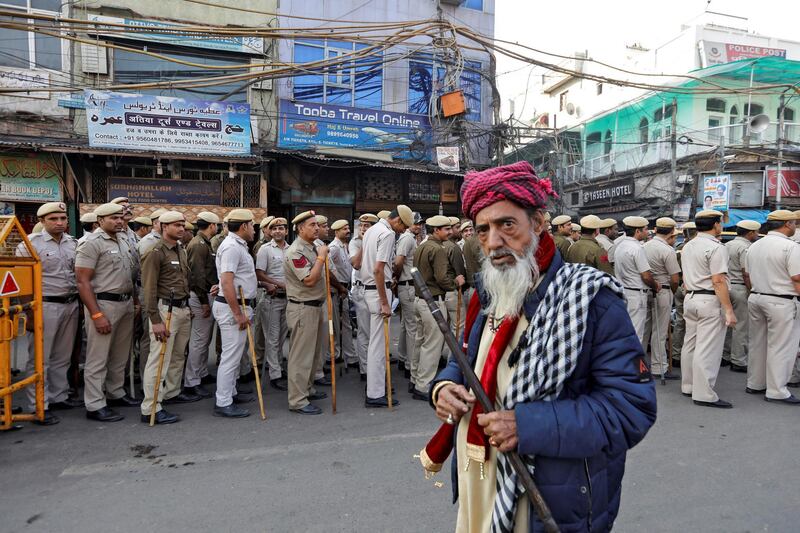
[[241, 388], [676, 363], [183, 397], [230, 411], [279, 383], [317, 396], [309, 409], [720, 404], [407, 373], [418, 395], [738, 368], [49, 419], [793, 385], [243, 398], [379, 402], [791, 400], [208, 380], [411, 387], [197, 390], [353, 365], [748, 390], [725, 362], [69, 403], [104, 414], [687, 394], [668, 376], [323, 382], [248, 378], [363, 377], [162, 417], [125, 401]]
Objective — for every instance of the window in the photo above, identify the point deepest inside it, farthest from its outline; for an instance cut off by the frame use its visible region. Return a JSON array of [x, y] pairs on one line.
[[29, 50], [562, 101], [599, 88], [788, 128], [715, 105], [751, 110], [607, 144], [356, 83], [658, 116], [733, 121], [593, 145], [714, 129], [575, 198], [473, 4], [643, 134], [425, 81]]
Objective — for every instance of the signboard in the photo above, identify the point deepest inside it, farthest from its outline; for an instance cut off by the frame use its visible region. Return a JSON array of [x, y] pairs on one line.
[[165, 124], [718, 53], [29, 178], [716, 192], [26, 79], [609, 192], [169, 192], [448, 191], [244, 45], [790, 182], [72, 101], [682, 209], [305, 125], [447, 157]]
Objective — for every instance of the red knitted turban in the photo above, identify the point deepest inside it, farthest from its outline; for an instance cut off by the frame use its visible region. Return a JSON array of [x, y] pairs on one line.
[[517, 183]]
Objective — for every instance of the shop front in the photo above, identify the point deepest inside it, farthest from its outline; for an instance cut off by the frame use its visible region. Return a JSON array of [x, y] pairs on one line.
[[27, 180]]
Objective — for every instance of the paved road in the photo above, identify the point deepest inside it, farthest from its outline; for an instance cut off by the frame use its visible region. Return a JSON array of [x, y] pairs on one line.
[[698, 470]]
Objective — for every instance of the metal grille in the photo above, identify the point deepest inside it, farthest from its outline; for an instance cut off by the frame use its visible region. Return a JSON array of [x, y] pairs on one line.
[[143, 172], [8, 247], [191, 174], [251, 189], [231, 191], [99, 188], [381, 188]]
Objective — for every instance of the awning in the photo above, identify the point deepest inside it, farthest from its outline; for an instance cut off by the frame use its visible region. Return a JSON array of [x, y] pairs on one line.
[[737, 215], [315, 157]]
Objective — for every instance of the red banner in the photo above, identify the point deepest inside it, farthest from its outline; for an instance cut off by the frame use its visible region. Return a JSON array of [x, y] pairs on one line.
[[790, 182]]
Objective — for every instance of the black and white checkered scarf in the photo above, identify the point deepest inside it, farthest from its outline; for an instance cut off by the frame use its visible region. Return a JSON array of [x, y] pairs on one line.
[[548, 353]]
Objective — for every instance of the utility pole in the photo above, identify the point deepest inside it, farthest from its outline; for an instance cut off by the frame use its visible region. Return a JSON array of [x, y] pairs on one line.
[[779, 178], [673, 140]]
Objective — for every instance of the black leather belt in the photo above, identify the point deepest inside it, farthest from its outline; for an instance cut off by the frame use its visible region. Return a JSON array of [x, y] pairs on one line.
[[68, 299], [666, 287], [247, 301], [358, 283], [637, 290], [113, 297], [375, 287], [312, 303], [175, 303], [440, 297], [784, 296], [701, 291], [736, 283], [406, 282], [280, 295]]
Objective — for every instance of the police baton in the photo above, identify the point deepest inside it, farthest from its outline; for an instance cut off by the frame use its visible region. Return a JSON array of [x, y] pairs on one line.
[[253, 360], [161, 354], [539, 505]]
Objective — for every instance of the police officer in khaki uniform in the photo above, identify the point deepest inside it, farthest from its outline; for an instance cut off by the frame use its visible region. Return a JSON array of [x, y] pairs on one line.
[[320, 379], [458, 271], [305, 288], [665, 269], [141, 227], [88, 225], [356, 251], [430, 259], [735, 355], [562, 229], [165, 274], [403, 263], [266, 235], [679, 332], [203, 287], [707, 310], [217, 239], [343, 271], [236, 270], [56, 250], [632, 269], [608, 232], [773, 264], [106, 285], [575, 234], [587, 250], [148, 241]]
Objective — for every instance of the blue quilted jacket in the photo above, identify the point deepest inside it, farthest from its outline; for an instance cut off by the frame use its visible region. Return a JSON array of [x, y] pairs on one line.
[[580, 440]]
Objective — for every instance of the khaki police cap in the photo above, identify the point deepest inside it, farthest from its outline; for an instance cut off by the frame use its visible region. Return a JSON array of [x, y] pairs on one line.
[[240, 215], [265, 222], [52, 207], [368, 217], [339, 224], [608, 222], [144, 221], [547, 216], [157, 213], [560, 220], [797, 214], [438, 221], [171, 216], [208, 216], [689, 225], [278, 221], [749, 225], [107, 209], [120, 200], [89, 218], [406, 215], [454, 221], [384, 214], [708, 213], [465, 225], [576, 227], [782, 215], [665, 222], [322, 219], [305, 215], [635, 222], [37, 228], [189, 226], [591, 222]]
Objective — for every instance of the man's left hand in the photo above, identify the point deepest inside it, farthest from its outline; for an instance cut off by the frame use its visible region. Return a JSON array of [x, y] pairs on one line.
[[501, 428]]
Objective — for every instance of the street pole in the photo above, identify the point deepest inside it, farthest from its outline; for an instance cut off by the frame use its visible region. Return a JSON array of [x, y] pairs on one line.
[[778, 178], [673, 140]]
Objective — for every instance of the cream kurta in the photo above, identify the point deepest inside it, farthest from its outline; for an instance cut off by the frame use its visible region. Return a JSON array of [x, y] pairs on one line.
[[476, 496]]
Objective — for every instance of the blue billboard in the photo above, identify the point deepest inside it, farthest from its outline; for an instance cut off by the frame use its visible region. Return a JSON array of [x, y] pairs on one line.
[[307, 125]]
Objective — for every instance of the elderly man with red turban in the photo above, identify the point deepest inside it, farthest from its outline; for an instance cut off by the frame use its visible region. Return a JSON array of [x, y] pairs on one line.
[[553, 345]]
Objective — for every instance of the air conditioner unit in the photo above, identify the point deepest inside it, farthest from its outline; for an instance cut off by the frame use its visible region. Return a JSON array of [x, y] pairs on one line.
[[94, 59], [451, 2]]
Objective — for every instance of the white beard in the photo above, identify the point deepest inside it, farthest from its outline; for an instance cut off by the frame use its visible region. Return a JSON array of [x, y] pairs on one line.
[[507, 286]]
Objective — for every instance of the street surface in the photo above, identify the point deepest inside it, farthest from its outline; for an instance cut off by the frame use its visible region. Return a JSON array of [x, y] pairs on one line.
[[699, 469]]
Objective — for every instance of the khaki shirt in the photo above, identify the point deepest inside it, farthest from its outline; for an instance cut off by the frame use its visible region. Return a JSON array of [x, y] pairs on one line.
[[630, 261], [164, 268], [147, 242], [737, 252], [604, 241], [702, 257], [270, 260], [340, 260], [257, 246], [109, 258], [378, 246], [663, 260], [613, 248], [300, 259], [406, 245], [455, 258], [58, 262], [217, 239], [133, 248], [473, 256], [771, 262], [563, 244], [589, 252], [203, 266], [353, 247], [431, 260], [233, 256]]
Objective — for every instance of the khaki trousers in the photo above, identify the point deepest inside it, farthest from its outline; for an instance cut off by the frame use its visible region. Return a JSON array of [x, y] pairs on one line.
[[107, 355], [736, 339], [637, 304], [324, 354], [234, 342], [144, 342], [702, 347], [58, 336], [658, 334], [774, 336], [451, 303], [180, 329], [430, 341], [679, 332], [408, 326], [275, 333], [343, 329], [260, 327], [308, 333], [199, 343], [376, 354], [362, 319]]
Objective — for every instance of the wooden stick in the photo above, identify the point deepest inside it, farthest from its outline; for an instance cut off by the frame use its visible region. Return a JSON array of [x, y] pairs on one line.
[[388, 364], [161, 354], [330, 334], [253, 360]]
